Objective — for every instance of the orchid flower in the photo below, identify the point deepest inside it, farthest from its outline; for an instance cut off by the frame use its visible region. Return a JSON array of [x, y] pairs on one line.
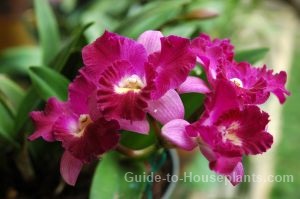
[[134, 78], [84, 136], [123, 80], [225, 132], [253, 85]]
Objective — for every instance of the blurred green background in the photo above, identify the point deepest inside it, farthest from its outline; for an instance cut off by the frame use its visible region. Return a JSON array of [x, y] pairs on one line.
[[29, 38]]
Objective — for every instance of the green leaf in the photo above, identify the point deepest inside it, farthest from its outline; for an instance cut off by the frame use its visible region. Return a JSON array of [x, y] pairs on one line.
[[71, 45], [192, 102], [10, 93], [47, 29], [49, 83], [18, 59], [252, 56], [32, 100], [6, 125], [138, 141], [29, 102], [110, 179], [183, 30], [151, 16]]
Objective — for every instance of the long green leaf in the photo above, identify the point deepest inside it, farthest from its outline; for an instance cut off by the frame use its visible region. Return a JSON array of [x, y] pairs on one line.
[[252, 56], [47, 29], [31, 99], [6, 126], [18, 59], [152, 16], [110, 179], [29, 102], [71, 45], [49, 83], [11, 93]]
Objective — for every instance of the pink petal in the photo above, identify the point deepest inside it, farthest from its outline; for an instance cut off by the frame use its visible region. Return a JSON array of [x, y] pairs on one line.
[[79, 91], [236, 176], [130, 105], [135, 126], [211, 52], [252, 130], [44, 121], [257, 83], [66, 127], [173, 64], [97, 138], [224, 165], [222, 156], [151, 40], [193, 84], [253, 89], [70, 168], [174, 131], [94, 110], [167, 108], [109, 48], [221, 164], [223, 99], [276, 83]]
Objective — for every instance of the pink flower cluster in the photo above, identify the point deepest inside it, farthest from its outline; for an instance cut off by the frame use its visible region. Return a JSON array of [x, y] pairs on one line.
[[232, 124], [123, 80]]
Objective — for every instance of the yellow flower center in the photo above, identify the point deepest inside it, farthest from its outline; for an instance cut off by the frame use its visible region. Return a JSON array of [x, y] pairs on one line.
[[127, 84], [83, 121], [237, 82], [228, 134]]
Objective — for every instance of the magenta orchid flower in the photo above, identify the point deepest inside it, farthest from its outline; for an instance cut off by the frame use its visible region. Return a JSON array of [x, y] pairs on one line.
[[225, 132], [134, 78], [253, 85], [123, 80], [83, 136]]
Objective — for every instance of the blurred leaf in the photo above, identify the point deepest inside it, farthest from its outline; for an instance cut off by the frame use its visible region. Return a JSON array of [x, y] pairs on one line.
[[199, 167], [151, 16], [29, 102], [200, 14], [138, 141], [191, 102], [48, 30], [109, 179], [18, 59], [251, 56], [64, 54], [218, 26], [68, 5], [49, 83], [6, 125], [10, 93], [183, 29], [32, 100], [104, 14]]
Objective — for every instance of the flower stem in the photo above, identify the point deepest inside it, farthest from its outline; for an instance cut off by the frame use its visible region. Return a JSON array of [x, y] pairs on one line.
[[136, 154], [23, 163]]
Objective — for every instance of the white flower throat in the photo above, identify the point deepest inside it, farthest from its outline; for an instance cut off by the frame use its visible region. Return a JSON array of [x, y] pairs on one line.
[[132, 83], [237, 82], [229, 133]]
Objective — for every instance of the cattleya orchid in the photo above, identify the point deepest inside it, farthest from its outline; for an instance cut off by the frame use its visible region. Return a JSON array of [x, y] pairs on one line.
[[82, 138], [253, 85], [231, 125], [123, 80], [134, 78]]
